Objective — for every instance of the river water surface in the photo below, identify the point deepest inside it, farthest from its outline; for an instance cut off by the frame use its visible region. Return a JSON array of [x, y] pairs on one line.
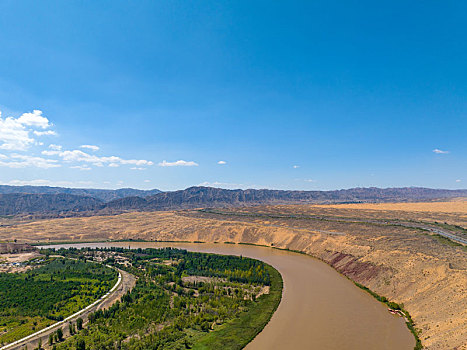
[[320, 309]]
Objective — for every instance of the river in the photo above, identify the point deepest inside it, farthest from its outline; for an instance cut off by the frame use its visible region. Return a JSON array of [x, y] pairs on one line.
[[320, 309]]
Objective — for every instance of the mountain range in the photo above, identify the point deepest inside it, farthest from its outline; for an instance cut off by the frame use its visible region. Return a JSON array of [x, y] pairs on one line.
[[70, 201], [103, 195]]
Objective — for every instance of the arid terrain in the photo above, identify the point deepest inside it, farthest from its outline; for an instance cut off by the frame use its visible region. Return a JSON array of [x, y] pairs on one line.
[[365, 242]]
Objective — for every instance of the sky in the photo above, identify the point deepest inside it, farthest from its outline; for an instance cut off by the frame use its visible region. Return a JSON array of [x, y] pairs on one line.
[[235, 94]]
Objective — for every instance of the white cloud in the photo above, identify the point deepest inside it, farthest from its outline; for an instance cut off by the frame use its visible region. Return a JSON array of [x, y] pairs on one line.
[[114, 165], [80, 167], [458, 180], [296, 166], [137, 168], [15, 133], [91, 147], [50, 153], [438, 151], [2, 156], [23, 161], [55, 147], [221, 162], [310, 180], [80, 156], [45, 133], [177, 163], [34, 119], [147, 180]]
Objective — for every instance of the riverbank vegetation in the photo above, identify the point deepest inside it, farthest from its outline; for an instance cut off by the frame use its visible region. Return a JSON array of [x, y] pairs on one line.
[[50, 291], [182, 300], [398, 309]]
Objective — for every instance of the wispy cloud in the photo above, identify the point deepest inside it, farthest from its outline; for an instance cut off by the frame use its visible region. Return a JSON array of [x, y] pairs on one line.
[[80, 156], [296, 166], [43, 182], [222, 162], [458, 180], [44, 133], [81, 167], [23, 161], [438, 151], [177, 163], [55, 147], [91, 147], [137, 168]]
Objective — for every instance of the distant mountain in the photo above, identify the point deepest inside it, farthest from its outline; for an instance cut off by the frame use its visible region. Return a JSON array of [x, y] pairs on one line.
[[105, 195], [19, 203], [65, 204], [195, 197]]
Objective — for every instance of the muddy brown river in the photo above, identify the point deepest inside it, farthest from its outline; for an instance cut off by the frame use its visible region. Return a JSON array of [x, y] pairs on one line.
[[320, 309]]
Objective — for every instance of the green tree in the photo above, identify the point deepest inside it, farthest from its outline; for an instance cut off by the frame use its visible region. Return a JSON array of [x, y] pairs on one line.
[[79, 323], [80, 344], [51, 339], [59, 334]]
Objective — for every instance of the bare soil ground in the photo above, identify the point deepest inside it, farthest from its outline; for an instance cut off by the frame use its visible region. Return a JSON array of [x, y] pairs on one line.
[[409, 266], [20, 257], [453, 212], [456, 206], [7, 261]]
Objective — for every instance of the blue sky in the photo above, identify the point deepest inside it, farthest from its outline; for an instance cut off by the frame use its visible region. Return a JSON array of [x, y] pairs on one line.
[[289, 95]]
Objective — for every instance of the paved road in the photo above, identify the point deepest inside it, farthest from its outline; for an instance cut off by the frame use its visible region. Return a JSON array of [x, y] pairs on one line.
[[439, 231], [126, 282]]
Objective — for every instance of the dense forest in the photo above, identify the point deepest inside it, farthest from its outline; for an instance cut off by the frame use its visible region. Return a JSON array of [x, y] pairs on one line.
[[51, 290], [181, 300]]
